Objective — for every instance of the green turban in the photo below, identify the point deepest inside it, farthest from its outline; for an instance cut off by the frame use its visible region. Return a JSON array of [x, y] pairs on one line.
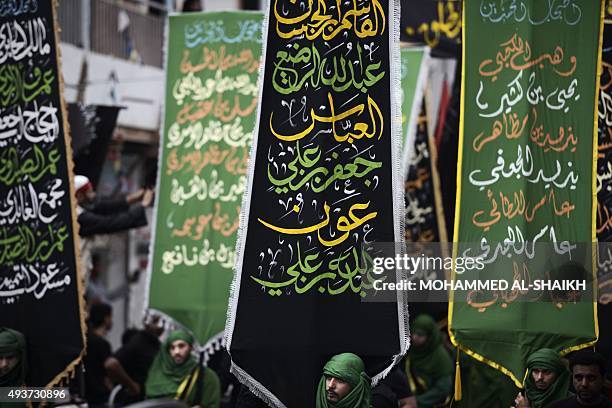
[[165, 375], [429, 367], [13, 342], [349, 368], [559, 389]]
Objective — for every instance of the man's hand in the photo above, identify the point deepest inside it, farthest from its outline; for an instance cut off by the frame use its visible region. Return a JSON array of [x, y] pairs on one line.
[[135, 197], [147, 198], [521, 402], [409, 402], [133, 389]]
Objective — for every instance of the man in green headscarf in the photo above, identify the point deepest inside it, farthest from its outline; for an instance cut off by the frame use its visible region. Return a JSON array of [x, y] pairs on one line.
[[548, 380], [12, 358], [12, 361], [344, 383], [175, 373], [429, 367]]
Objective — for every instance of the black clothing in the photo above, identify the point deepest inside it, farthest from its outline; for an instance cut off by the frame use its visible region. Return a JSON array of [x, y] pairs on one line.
[[397, 381], [136, 357], [98, 350], [109, 216], [383, 397], [393, 388], [246, 399], [572, 402]]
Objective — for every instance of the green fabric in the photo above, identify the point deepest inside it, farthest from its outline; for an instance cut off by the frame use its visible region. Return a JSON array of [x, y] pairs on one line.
[[412, 65], [516, 64], [211, 398], [429, 366], [483, 386], [349, 368], [13, 342], [559, 389], [210, 106], [165, 375]]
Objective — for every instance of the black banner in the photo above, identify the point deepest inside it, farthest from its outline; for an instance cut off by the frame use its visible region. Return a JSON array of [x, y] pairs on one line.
[[91, 128], [40, 289], [436, 23], [324, 180], [604, 157], [604, 196], [424, 219], [424, 215]]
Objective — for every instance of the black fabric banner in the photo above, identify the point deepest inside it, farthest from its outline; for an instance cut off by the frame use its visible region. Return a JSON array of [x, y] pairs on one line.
[[422, 190], [604, 197], [447, 156], [424, 219], [40, 288], [324, 180], [436, 23], [91, 127]]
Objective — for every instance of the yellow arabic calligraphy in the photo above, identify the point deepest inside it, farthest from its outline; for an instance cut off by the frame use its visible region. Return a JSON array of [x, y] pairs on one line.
[[343, 224], [448, 23], [315, 22]]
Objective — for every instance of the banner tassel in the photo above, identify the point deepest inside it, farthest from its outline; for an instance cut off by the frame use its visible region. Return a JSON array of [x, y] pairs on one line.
[[457, 379]]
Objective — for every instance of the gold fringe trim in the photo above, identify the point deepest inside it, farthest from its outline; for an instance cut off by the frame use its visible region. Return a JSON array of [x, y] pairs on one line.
[[458, 393], [68, 372]]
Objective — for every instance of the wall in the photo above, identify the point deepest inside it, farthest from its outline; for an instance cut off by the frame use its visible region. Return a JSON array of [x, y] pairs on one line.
[[112, 81]]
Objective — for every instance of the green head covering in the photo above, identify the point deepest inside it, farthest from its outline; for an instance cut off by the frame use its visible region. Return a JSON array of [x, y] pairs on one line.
[[425, 325], [165, 375], [13, 342], [349, 368], [550, 360], [428, 362]]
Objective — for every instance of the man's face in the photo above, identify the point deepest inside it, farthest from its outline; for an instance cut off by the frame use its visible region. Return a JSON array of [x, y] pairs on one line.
[[588, 382], [108, 322], [543, 378], [336, 388], [7, 363], [86, 197], [418, 339], [179, 351]]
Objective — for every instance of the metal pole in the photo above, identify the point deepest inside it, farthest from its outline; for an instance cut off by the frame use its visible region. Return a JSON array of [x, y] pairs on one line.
[[86, 24]]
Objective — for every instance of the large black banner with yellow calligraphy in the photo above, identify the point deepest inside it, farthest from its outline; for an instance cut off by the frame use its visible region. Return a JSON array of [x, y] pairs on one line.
[[436, 23], [324, 179], [526, 188], [40, 288]]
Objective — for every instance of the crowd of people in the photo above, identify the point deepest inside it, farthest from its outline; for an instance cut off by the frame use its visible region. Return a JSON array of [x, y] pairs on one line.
[[144, 368]]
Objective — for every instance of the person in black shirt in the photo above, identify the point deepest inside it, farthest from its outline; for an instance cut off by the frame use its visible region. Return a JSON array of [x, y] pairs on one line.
[[130, 365], [97, 384], [392, 390], [588, 373]]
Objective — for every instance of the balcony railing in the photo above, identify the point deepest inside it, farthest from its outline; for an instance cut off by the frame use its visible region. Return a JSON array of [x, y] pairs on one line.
[[142, 39]]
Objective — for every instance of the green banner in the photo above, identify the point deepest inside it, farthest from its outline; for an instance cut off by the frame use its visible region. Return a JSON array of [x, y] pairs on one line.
[[211, 100], [526, 192], [413, 73]]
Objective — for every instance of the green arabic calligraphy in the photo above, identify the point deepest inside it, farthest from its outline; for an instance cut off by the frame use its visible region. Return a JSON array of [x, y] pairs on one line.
[[318, 178], [32, 166], [337, 71]]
